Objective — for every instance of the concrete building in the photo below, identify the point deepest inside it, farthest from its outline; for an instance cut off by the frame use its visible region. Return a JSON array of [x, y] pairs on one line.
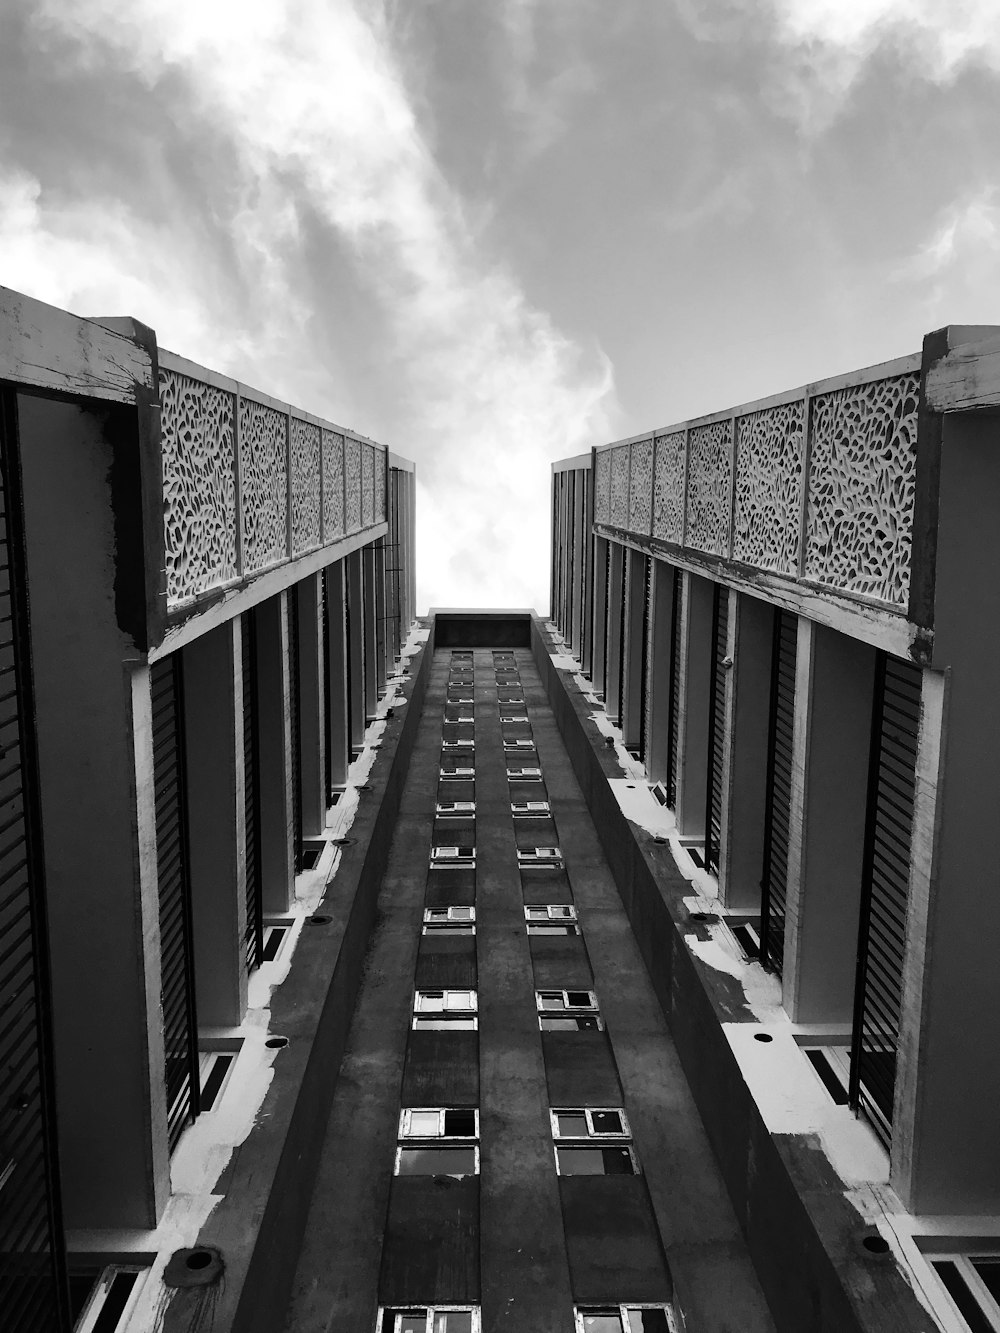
[[786, 608], [362, 973]]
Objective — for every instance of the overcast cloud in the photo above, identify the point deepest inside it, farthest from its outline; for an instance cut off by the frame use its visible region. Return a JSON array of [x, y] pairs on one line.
[[491, 235]]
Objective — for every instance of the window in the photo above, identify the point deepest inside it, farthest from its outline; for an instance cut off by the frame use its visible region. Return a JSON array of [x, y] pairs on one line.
[[457, 772], [529, 809], [447, 808], [429, 1319], [214, 1069], [449, 921], [438, 1141], [540, 856], [625, 1319], [445, 1010], [524, 773], [551, 919], [458, 856], [107, 1297], [592, 1141], [568, 1011], [519, 743], [458, 745], [972, 1282]]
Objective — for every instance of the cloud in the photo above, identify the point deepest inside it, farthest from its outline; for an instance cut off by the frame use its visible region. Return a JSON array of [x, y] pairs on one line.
[[307, 105], [953, 273]]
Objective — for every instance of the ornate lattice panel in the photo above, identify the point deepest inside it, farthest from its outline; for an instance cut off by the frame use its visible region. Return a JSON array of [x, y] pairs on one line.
[[602, 487], [709, 488], [641, 487], [367, 485], [768, 500], [352, 484], [199, 485], [668, 487], [379, 485], [305, 455], [861, 486], [619, 486], [264, 484], [333, 485]]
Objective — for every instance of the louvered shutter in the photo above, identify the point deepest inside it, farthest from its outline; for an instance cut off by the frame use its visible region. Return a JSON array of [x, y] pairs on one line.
[[774, 880]]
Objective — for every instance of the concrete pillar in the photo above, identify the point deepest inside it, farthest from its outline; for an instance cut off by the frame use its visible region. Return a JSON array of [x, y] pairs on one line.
[[213, 739], [371, 669], [275, 776], [337, 675], [598, 671], [834, 680], [695, 692], [380, 616], [615, 599], [312, 719], [580, 538], [355, 651], [635, 603], [660, 647], [95, 755], [751, 628], [944, 1151]]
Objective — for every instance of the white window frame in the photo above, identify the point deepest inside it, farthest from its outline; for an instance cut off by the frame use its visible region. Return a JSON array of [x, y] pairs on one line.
[[448, 1004], [560, 912], [455, 856], [431, 919], [453, 809], [445, 1144], [458, 745], [530, 809], [616, 1136], [454, 721], [461, 774], [978, 1289], [102, 1289], [540, 856], [532, 773], [440, 1137], [567, 1008], [579, 1311], [519, 743]]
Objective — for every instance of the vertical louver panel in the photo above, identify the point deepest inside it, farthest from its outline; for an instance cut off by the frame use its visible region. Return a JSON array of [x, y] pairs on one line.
[[774, 879], [254, 937], [674, 712], [176, 951], [328, 687], [295, 722], [619, 628], [32, 1262], [716, 728], [885, 890]]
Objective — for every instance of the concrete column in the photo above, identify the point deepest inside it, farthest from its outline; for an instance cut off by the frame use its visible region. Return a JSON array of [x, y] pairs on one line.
[[751, 628], [371, 670], [336, 667], [598, 671], [95, 755], [661, 614], [580, 537], [213, 739], [613, 667], [635, 600], [695, 692], [380, 616], [834, 680], [312, 719], [944, 1148], [587, 590], [275, 776], [355, 651]]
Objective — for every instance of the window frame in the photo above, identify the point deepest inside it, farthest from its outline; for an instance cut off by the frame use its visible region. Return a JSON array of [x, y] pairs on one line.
[[448, 854], [560, 912], [597, 1146], [988, 1304], [453, 809], [579, 1311], [530, 809], [441, 1137], [592, 1133], [428, 1311], [567, 1008]]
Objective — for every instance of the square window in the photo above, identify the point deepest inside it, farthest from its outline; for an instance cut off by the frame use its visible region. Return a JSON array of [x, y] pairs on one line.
[[601, 1321], [580, 999], [608, 1122], [645, 1320], [423, 1124], [571, 1124]]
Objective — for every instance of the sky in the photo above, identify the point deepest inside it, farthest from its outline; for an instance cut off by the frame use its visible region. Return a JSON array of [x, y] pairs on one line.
[[494, 233]]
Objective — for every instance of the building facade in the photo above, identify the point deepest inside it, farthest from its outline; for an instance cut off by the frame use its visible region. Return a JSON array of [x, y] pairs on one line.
[[785, 610], [205, 592]]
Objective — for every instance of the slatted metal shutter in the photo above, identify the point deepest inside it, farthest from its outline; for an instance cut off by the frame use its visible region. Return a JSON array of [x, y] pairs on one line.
[[622, 591], [176, 946], [327, 689], [33, 1284], [254, 936], [885, 890], [774, 878], [647, 623], [716, 728], [295, 722], [674, 711]]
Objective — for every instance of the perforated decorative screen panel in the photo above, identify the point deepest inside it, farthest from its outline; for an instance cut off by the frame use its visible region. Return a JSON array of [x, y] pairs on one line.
[[264, 481], [367, 485], [602, 487], [641, 487], [668, 487], [619, 486], [333, 485], [768, 500], [861, 488], [305, 455], [379, 485], [199, 485], [352, 484], [709, 488]]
